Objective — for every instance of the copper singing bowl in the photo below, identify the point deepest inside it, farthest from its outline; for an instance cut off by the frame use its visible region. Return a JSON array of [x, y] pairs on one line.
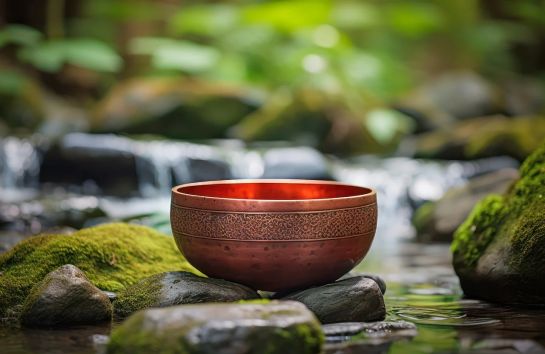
[[273, 235]]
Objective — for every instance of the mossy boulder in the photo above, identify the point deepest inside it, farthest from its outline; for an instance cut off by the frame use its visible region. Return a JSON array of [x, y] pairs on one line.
[[499, 251], [482, 137], [173, 108], [312, 117], [112, 256], [251, 328], [65, 297], [176, 288]]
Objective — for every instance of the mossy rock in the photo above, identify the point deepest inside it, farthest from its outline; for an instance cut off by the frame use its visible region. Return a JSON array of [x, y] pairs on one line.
[[499, 251], [252, 328], [176, 288], [483, 137], [311, 117], [174, 108], [65, 297], [112, 256]]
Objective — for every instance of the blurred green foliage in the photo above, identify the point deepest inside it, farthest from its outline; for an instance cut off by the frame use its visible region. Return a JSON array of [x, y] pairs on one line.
[[380, 47], [366, 51]]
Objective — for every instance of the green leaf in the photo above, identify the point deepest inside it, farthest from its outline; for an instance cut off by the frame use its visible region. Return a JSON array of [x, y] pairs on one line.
[[355, 15], [415, 19], [86, 53], [206, 19], [92, 54], [47, 56], [19, 34], [288, 16], [174, 54], [385, 124]]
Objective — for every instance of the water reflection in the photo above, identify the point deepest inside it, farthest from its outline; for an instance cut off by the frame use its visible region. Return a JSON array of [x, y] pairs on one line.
[[423, 289]]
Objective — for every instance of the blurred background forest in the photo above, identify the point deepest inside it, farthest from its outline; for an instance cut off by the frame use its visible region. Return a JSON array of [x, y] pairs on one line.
[[347, 77], [128, 98], [107, 104]]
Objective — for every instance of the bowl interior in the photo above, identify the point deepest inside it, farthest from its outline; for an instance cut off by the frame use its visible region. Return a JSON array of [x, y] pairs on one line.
[[264, 190]]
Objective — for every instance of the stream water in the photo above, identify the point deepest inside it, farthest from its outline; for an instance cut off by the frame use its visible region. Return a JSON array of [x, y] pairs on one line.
[[422, 287]]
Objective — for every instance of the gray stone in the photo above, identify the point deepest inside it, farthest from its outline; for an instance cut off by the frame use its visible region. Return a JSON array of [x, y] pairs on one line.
[[524, 96], [437, 221], [380, 282], [272, 328], [64, 297], [448, 98], [176, 288], [356, 299]]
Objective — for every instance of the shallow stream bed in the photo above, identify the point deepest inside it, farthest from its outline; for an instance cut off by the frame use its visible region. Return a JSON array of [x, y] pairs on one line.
[[422, 289]]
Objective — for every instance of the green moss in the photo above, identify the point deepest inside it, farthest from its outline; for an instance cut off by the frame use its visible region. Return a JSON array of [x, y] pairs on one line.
[[527, 237], [513, 137], [112, 256], [254, 301], [484, 137], [300, 338], [142, 295], [476, 233], [141, 334], [518, 216], [142, 341]]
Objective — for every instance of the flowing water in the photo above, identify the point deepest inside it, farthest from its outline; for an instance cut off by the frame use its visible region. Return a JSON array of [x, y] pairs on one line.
[[422, 287]]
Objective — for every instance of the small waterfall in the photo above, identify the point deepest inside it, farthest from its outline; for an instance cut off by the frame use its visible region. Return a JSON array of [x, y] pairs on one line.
[[146, 170], [161, 164], [19, 166]]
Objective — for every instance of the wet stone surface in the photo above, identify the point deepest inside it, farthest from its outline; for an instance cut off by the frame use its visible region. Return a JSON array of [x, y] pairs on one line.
[[422, 289], [65, 297], [274, 327], [176, 288], [352, 299]]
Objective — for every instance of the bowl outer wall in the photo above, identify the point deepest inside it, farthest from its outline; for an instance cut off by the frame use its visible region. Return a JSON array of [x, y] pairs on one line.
[[263, 246]]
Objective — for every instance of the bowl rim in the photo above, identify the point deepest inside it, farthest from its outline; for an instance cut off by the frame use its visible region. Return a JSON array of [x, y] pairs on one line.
[[194, 201]]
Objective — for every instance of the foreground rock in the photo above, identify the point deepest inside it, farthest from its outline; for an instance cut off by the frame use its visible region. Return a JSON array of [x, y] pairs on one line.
[[272, 328], [437, 221], [112, 256], [176, 288], [356, 299], [64, 297], [499, 250]]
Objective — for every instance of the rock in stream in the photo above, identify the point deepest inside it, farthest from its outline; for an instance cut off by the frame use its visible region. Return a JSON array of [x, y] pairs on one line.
[[176, 288], [356, 299], [65, 297], [272, 328]]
